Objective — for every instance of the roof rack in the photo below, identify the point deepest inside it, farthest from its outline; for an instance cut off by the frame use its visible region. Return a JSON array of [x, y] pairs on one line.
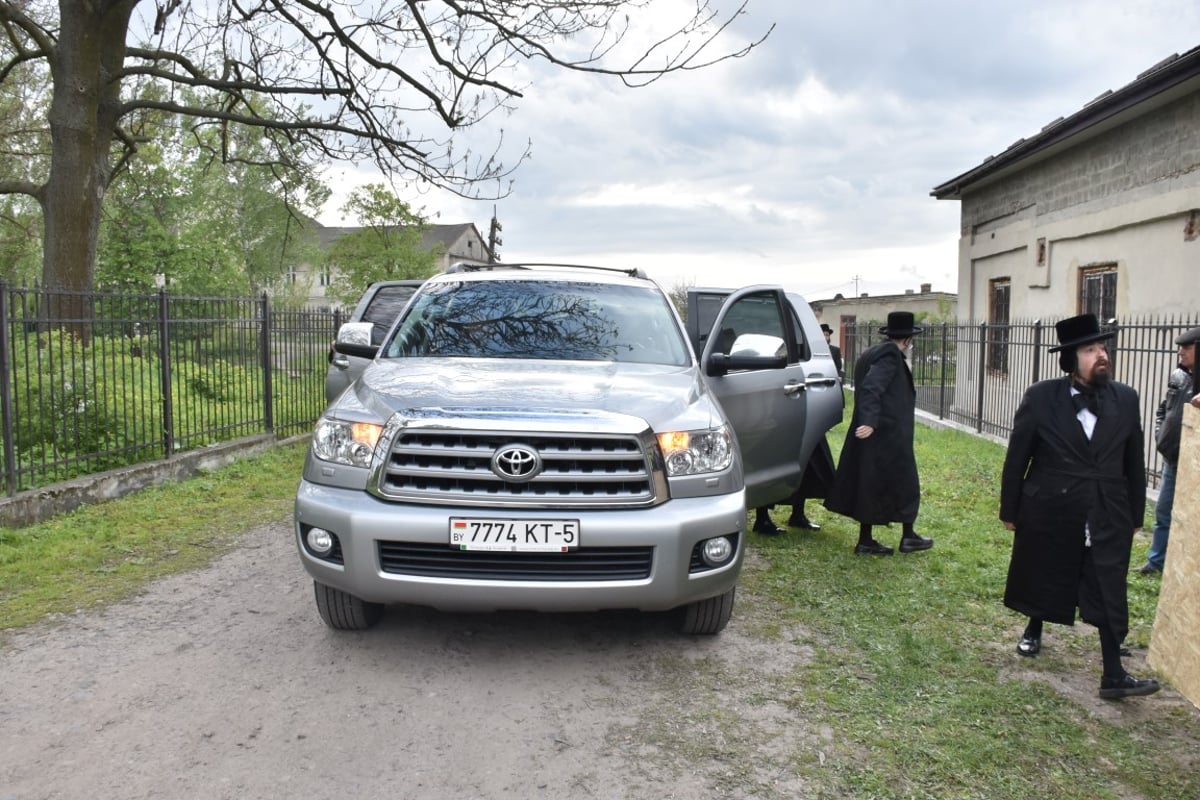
[[463, 266]]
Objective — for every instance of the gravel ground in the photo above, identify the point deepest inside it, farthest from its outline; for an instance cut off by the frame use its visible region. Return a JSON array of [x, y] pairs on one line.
[[224, 683]]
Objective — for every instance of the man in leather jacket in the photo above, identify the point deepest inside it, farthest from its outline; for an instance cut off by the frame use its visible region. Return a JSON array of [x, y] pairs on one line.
[[1168, 421]]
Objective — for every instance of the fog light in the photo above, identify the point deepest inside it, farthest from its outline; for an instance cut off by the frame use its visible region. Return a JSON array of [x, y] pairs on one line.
[[319, 541], [717, 551]]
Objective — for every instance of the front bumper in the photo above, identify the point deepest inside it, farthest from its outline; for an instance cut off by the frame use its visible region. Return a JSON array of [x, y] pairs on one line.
[[672, 531]]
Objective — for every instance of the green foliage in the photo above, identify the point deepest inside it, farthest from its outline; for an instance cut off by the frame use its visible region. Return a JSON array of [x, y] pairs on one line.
[[200, 210], [387, 247]]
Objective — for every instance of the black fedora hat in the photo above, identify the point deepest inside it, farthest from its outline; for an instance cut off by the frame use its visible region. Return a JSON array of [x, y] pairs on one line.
[[1080, 330], [825, 327], [900, 325]]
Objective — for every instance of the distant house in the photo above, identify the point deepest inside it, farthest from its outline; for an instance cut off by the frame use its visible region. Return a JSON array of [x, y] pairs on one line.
[[457, 242], [840, 312], [1097, 212]]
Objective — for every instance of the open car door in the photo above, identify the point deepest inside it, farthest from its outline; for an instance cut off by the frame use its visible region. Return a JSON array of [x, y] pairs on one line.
[[755, 358]]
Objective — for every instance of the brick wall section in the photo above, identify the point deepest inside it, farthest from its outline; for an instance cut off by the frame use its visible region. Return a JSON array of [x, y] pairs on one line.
[[1174, 643], [1158, 146]]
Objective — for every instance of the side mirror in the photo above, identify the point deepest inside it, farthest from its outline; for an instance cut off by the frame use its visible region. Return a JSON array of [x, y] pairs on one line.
[[354, 339], [720, 364]]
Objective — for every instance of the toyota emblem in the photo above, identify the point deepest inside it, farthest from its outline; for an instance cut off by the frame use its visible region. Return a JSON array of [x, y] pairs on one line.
[[517, 463]]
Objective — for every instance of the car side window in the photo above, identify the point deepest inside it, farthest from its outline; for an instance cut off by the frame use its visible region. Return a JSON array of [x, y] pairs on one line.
[[383, 309], [753, 326], [803, 347]]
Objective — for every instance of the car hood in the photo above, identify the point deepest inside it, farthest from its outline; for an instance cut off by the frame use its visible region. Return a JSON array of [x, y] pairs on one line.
[[664, 397]]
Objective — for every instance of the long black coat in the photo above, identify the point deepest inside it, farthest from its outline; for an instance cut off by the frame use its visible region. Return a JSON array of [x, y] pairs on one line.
[[876, 481], [1055, 481]]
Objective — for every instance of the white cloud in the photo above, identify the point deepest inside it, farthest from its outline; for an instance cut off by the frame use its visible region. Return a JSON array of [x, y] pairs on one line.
[[809, 162]]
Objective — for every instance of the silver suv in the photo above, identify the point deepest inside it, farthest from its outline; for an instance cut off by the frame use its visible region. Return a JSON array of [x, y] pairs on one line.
[[544, 437]]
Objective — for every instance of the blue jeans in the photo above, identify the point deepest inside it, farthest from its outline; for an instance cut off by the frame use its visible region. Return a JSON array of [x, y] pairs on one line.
[[1162, 517]]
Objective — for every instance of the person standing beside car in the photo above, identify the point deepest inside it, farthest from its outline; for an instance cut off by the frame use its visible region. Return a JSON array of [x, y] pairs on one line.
[[876, 482], [1073, 492], [834, 351], [1168, 422]]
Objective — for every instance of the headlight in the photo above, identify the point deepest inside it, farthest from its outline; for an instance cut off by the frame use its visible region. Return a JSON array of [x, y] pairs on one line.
[[695, 452], [350, 443]]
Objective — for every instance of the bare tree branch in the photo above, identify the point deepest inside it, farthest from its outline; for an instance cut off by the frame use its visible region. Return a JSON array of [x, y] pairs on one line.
[[390, 82]]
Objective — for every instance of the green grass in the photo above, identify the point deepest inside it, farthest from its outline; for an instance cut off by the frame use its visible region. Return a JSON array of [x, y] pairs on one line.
[[914, 668], [917, 663], [102, 553]]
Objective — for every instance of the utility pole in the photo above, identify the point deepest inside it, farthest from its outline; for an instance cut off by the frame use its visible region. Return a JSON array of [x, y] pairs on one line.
[[856, 279], [494, 239]]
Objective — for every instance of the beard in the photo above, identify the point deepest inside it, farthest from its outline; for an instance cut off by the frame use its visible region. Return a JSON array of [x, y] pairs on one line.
[[1098, 378]]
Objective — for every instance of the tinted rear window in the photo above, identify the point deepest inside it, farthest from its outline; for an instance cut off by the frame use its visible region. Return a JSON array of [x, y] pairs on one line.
[[541, 319], [383, 309]]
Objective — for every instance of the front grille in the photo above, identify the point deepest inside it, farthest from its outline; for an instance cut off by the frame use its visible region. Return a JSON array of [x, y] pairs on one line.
[[454, 466], [585, 564]]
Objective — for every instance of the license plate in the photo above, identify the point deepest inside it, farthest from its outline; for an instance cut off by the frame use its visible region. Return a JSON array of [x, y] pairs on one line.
[[514, 535]]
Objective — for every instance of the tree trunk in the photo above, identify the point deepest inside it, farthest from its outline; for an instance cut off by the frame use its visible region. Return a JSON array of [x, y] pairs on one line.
[[83, 118]]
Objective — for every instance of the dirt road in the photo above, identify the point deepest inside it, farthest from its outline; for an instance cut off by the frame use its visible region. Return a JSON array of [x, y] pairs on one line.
[[223, 683]]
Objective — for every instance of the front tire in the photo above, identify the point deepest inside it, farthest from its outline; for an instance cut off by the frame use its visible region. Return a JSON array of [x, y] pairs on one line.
[[343, 611], [708, 616]]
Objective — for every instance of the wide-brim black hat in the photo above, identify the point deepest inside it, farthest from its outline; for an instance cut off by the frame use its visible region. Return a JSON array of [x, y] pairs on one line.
[[900, 325], [825, 327], [1080, 330]]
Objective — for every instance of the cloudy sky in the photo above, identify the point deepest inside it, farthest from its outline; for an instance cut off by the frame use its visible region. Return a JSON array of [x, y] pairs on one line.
[[809, 163]]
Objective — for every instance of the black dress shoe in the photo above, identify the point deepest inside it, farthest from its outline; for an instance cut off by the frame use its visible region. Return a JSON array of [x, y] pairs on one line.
[[803, 523], [1127, 686], [768, 528], [914, 543], [872, 548], [1029, 645]]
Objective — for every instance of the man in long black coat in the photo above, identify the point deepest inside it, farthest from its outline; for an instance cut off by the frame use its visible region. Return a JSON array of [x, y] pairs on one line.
[[1073, 491], [876, 481]]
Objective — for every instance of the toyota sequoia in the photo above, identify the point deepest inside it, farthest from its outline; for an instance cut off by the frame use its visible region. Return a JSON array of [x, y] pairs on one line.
[[554, 438]]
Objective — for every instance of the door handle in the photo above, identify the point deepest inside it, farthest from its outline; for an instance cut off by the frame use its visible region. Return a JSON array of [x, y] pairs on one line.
[[821, 381], [340, 361], [794, 388]]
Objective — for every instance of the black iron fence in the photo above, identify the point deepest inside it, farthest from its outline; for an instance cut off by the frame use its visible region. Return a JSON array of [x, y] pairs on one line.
[[93, 381], [89, 382], [975, 374]]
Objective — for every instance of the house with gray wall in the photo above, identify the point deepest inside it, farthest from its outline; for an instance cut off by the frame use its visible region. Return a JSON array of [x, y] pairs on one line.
[[840, 312], [1099, 211]]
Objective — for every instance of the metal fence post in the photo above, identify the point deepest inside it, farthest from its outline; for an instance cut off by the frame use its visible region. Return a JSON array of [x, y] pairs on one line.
[[942, 388], [6, 412], [1037, 351], [164, 357], [268, 404], [983, 326]]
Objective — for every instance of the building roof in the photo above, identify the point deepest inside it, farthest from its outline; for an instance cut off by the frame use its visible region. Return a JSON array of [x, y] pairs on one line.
[[1168, 80], [431, 236]]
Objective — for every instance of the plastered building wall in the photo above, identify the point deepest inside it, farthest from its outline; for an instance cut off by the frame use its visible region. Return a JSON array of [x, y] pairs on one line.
[[1175, 640]]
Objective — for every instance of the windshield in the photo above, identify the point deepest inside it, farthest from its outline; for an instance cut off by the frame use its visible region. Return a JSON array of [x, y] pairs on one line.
[[542, 319]]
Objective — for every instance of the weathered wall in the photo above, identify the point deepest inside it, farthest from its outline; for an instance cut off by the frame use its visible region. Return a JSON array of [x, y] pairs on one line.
[[37, 505], [1175, 641], [1130, 197]]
